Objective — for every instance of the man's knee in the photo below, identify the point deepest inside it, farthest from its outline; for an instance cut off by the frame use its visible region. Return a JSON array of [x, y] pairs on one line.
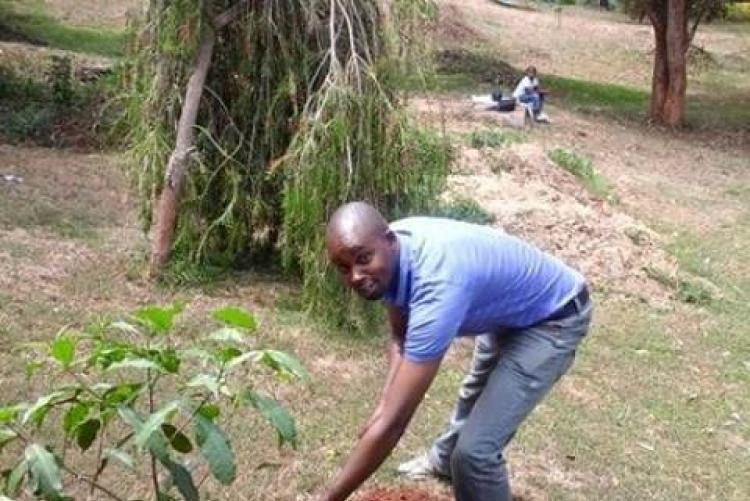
[[475, 457]]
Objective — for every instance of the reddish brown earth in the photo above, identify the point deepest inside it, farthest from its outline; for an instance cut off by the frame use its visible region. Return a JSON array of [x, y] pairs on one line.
[[399, 495], [407, 495]]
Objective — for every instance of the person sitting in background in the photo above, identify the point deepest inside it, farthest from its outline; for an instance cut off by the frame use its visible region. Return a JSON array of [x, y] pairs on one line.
[[529, 94]]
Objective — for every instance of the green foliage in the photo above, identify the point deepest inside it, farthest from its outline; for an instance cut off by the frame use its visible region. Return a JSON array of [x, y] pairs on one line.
[[738, 13], [26, 21], [105, 394], [487, 138], [295, 120], [463, 209], [583, 169]]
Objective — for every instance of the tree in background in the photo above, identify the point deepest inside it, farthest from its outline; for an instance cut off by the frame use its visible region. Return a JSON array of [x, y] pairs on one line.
[[675, 23], [249, 122]]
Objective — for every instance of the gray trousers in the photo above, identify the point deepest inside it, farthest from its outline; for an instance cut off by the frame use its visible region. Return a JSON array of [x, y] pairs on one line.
[[511, 372]]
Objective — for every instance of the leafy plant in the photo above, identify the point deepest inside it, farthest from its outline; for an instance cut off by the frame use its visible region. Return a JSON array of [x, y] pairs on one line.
[[127, 395]]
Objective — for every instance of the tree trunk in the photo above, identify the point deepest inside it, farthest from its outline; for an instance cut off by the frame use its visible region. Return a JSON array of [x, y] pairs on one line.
[[166, 209], [660, 79], [669, 81], [677, 45]]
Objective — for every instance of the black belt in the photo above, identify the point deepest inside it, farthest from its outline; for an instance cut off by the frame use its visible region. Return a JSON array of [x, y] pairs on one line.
[[571, 307]]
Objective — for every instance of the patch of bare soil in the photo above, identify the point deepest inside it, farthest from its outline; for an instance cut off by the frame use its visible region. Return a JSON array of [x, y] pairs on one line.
[[535, 199], [452, 27], [408, 494]]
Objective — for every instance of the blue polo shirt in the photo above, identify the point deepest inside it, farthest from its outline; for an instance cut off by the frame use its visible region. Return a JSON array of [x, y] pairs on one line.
[[455, 279]]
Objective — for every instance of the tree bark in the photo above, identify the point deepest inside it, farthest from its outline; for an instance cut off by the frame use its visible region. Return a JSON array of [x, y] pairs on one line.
[[166, 208], [660, 78], [677, 45], [669, 80]]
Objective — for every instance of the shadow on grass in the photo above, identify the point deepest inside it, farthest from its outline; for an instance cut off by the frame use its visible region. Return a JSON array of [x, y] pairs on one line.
[[28, 23], [478, 71]]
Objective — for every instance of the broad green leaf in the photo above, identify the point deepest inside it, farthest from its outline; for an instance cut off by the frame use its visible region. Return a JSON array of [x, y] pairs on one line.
[[121, 457], [136, 363], [86, 433], [74, 416], [215, 447], [275, 414], [154, 422], [226, 355], [241, 359], [9, 414], [157, 443], [168, 360], [15, 478], [63, 349], [159, 319], [209, 411], [121, 394], [6, 436], [227, 335], [205, 381], [104, 356], [283, 363], [183, 480], [179, 441], [38, 409], [235, 317], [44, 474]]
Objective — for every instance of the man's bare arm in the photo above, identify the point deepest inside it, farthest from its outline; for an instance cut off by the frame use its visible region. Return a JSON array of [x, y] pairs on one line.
[[394, 350], [401, 400]]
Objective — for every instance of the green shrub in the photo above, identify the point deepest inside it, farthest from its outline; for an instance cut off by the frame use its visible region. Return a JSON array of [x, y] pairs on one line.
[[463, 209], [583, 169], [131, 398], [494, 138], [738, 12]]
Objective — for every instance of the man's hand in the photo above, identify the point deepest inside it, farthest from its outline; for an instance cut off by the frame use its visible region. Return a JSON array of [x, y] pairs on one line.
[[384, 428]]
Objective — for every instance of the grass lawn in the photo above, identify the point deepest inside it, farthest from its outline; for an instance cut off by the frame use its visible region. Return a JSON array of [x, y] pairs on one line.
[[28, 21]]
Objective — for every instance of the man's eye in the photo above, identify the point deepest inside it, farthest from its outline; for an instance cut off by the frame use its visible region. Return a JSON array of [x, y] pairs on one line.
[[343, 269], [364, 258]]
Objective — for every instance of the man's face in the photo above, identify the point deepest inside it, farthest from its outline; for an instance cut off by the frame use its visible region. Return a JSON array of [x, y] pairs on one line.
[[364, 264], [531, 72]]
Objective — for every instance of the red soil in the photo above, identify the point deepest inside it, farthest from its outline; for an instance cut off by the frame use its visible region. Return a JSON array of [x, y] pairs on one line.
[[399, 495]]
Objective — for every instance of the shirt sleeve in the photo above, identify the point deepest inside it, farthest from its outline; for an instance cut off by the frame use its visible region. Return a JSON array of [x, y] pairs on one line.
[[436, 313]]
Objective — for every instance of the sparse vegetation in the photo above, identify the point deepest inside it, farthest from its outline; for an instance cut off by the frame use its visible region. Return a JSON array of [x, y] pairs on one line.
[[487, 138], [463, 209], [583, 169]]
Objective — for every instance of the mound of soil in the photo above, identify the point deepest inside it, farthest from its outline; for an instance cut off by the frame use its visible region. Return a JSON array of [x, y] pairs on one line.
[[533, 198], [399, 495]]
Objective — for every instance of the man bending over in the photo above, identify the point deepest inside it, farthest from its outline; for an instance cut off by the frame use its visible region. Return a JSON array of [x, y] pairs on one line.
[[440, 279]]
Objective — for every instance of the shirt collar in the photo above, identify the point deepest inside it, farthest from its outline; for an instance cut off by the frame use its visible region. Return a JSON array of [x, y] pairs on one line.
[[398, 289]]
